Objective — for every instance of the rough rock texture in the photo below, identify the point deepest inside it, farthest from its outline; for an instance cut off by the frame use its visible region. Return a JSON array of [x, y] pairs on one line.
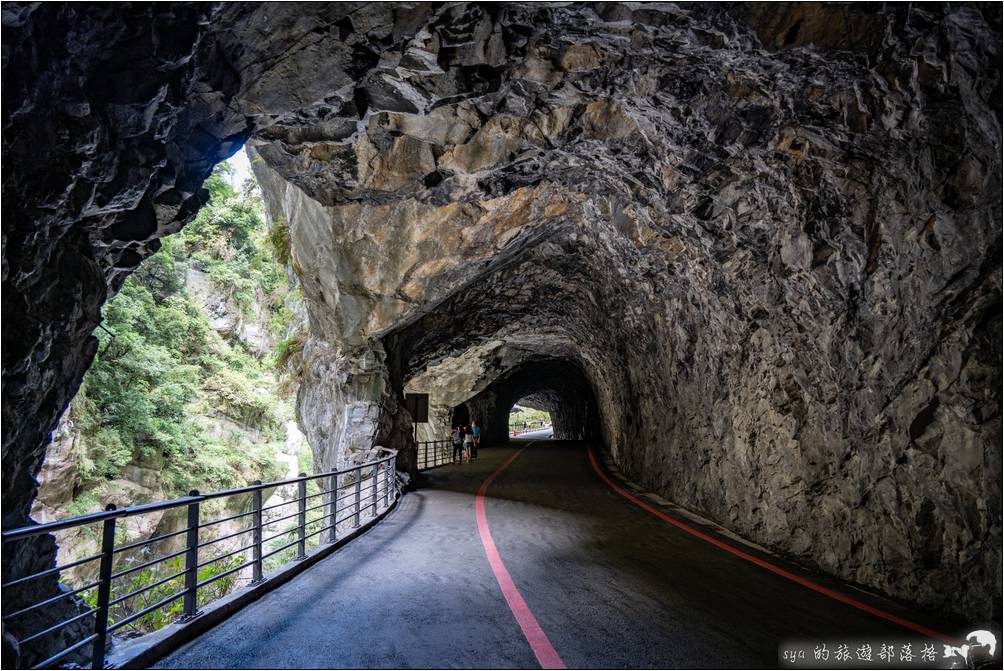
[[767, 236], [109, 129], [771, 247]]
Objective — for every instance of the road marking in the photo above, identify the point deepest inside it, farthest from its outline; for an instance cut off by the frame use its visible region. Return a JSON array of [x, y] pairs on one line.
[[816, 587], [535, 636]]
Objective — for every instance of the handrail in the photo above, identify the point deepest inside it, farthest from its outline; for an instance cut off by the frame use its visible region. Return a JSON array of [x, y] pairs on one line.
[[378, 494], [48, 527], [442, 454], [530, 429]]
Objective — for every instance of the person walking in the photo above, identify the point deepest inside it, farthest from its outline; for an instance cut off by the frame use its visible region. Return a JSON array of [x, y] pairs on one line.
[[458, 445], [476, 434], [469, 443]]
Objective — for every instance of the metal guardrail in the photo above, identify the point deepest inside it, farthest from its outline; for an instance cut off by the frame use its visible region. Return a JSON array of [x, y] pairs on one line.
[[520, 432], [380, 493], [434, 453]]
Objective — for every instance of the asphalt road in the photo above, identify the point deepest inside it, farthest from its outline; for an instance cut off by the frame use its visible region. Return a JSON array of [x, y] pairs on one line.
[[542, 434], [609, 584]]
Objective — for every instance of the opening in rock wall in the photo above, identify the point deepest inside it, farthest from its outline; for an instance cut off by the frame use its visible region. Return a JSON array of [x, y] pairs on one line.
[[183, 393], [526, 421], [461, 416]]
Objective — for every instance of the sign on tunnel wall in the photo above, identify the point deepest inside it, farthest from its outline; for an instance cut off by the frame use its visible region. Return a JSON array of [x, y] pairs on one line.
[[418, 407]]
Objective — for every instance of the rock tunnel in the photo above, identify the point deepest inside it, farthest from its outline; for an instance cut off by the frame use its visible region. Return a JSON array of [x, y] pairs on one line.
[[755, 256]]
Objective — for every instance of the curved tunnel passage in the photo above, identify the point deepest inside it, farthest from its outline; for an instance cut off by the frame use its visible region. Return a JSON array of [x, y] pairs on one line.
[[556, 386]]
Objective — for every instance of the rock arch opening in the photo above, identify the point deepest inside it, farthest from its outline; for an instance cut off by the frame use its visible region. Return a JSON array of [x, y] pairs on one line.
[[525, 416], [461, 416]]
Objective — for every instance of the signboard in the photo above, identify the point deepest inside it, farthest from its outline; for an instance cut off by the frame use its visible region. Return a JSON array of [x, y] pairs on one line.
[[418, 407]]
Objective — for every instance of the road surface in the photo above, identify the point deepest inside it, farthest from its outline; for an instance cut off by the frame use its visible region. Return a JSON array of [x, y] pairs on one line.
[[540, 434], [603, 583]]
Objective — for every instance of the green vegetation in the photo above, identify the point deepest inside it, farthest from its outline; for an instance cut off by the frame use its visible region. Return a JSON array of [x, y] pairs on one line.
[[530, 416], [289, 363], [180, 398], [155, 593], [163, 373]]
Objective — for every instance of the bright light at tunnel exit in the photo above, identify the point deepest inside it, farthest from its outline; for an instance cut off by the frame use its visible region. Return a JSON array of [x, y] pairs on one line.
[[531, 422]]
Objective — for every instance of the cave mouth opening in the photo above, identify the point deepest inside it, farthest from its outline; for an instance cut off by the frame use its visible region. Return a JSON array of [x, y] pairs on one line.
[[189, 354], [461, 416], [525, 420]]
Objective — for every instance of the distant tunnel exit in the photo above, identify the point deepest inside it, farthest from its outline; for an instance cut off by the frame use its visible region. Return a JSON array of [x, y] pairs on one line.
[[528, 421]]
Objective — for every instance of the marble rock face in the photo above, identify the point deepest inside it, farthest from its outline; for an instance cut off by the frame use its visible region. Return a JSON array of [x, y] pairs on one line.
[[759, 246]]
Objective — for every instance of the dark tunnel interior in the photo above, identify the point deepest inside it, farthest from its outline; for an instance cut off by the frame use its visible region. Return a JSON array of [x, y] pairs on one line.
[[556, 386]]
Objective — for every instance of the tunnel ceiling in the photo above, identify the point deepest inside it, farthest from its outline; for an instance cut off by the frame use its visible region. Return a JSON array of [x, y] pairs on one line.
[[768, 237]]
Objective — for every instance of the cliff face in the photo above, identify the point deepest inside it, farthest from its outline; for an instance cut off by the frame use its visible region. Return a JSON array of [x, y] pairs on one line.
[[68, 487], [767, 238]]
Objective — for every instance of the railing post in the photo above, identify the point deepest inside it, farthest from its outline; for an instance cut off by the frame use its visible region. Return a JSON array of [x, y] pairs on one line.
[[333, 509], [104, 590], [301, 518], [426, 455], [389, 469], [359, 494], [256, 565], [192, 560], [376, 483]]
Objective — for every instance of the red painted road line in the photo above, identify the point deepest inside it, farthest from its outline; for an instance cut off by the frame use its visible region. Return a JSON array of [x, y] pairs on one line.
[[816, 587], [535, 636]]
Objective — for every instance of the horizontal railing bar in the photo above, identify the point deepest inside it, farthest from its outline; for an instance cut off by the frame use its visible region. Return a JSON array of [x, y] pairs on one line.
[[350, 495], [290, 530], [148, 541], [319, 505], [224, 556], [50, 571], [49, 663], [347, 517], [378, 488], [279, 519], [320, 530], [57, 626], [149, 609], [54, 599], [292, 481], [210, 581], [223, 538], [137, 567], [49, 527], [314, 533], [146, 588], [278, 505], [203, 525], [321, 518], [280, 549]]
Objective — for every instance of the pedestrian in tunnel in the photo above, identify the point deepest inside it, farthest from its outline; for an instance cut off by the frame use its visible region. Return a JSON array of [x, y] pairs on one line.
[[476, 434], [458, 445], [468, 443]]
